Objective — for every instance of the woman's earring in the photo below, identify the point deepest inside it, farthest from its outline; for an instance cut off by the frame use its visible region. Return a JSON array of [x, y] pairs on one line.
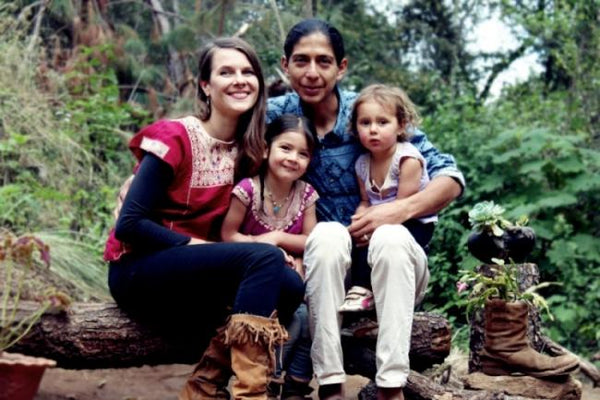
[[208, 102]]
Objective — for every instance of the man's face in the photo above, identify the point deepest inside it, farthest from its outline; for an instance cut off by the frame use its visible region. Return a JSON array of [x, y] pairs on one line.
[[312, 68]]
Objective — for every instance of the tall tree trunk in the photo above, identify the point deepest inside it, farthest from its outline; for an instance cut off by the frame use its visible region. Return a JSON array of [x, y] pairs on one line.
[[178, 71], [279, 22], [309, 9], [224, 7]]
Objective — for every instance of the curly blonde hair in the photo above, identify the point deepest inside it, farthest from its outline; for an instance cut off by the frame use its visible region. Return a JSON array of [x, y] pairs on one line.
[[392, 97]]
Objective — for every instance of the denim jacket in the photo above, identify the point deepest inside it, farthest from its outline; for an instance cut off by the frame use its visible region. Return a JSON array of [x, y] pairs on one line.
[[331, 170]]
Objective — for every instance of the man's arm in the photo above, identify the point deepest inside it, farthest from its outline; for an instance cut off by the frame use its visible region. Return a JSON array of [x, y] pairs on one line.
[[438, 163], [437, 194]]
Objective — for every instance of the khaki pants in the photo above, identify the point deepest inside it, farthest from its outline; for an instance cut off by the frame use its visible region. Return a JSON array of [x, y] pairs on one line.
[[399, 277]]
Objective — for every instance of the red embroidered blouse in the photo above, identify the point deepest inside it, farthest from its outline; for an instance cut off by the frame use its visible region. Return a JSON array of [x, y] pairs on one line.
[[203, 169]]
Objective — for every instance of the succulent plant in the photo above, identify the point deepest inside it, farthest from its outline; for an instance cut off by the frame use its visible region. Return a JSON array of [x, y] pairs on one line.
[[494, 236], [487, 217]]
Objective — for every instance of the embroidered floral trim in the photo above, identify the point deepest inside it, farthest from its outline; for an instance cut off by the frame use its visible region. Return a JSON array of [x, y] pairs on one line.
[[213, 160], [155, 147], [294, 210]]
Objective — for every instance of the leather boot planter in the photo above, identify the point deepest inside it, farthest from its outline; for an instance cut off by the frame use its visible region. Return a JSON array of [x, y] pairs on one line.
[[211, 376], [506, 349], [484, 246], [252, 340]]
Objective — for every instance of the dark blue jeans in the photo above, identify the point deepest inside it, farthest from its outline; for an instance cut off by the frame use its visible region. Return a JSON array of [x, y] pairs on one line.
[[207, 281], [296, 351]]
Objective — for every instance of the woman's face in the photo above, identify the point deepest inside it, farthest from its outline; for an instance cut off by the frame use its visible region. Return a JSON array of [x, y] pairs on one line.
[[312, 68], [233, 85]]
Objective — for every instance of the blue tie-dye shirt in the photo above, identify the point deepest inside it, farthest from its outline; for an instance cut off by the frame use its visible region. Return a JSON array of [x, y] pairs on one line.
[[331, 170]]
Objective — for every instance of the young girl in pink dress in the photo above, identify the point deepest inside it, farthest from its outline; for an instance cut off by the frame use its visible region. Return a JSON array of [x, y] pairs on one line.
[[278, 208], [275, 206]]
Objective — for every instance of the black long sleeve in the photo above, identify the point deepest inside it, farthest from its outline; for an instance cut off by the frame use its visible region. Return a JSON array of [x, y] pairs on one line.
[[137, 224]]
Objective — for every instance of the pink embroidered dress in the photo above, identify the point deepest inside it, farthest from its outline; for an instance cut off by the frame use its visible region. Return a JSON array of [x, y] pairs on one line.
[[203, 169], [257, 222]]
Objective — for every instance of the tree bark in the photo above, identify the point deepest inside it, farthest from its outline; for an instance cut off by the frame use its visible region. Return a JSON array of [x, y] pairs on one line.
[[100, 335]]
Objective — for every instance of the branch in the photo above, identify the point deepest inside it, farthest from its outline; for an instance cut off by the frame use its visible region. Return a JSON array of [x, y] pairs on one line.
[[499, 67], [149, 6], [586, 367], [36, 28]]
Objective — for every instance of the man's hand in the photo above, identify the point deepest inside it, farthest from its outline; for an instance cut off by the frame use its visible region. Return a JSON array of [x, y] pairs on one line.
[[366, 221], [436, 195]]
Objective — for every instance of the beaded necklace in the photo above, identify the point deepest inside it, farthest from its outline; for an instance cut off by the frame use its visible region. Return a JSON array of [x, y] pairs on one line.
[[277, 206]]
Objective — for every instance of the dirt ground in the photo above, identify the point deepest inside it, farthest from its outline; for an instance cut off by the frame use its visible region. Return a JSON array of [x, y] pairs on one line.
[[152, 383], [145, 383]]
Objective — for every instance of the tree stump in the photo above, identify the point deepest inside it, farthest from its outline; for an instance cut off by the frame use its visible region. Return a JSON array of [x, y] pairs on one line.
[[430, 344]]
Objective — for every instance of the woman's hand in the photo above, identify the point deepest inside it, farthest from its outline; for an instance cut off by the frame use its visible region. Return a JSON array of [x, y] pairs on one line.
[[197, 241], [298, 266], [289, 259]]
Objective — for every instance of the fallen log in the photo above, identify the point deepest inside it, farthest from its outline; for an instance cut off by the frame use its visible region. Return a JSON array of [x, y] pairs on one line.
[[100, 335]]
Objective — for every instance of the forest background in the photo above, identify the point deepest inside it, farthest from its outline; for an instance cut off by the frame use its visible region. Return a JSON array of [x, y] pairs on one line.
[[79, 77]]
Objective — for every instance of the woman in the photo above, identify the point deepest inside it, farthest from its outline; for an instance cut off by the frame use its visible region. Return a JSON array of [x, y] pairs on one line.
[[163, 255], [314, 60]]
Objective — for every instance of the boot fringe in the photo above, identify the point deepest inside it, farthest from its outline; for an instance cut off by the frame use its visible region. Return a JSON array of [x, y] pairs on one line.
[[256, 336], [243, 328]]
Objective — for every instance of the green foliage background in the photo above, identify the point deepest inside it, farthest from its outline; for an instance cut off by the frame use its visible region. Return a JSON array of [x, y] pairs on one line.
[[64, 124]]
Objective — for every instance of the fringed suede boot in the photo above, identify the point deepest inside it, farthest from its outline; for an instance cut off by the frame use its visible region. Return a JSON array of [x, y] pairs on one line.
[[211, 376], [506, 349], [252, 340]]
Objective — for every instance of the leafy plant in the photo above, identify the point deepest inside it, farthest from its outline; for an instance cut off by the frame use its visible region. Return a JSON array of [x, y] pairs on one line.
[[17, 261], [500, 282]]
